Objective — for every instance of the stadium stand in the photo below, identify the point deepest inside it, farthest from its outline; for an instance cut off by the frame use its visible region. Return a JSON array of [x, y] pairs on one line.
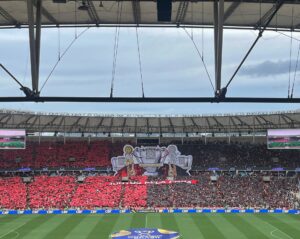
[[247, 191], [135, 196], [51, 192], [229, 190], [95, 192], [80, 154], [237, 186], [12, 193]]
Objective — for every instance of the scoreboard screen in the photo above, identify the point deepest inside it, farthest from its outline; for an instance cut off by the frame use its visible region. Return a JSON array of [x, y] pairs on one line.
[[12, 139], [283, 139]]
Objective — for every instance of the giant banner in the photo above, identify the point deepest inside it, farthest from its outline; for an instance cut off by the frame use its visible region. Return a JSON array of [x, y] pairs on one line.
[[152, 158]]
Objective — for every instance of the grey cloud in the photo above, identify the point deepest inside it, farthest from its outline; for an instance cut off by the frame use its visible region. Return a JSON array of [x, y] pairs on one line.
[[268, 68]]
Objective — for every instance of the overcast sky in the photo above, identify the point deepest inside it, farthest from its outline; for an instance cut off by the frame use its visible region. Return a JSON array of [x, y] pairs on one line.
[[170, 67]]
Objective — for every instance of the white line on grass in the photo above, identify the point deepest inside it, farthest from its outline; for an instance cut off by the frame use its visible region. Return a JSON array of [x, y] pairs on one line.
[[13, 230], [272, 234]]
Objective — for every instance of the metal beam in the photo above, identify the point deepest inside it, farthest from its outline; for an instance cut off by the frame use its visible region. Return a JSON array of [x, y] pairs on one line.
[[184, 125], [136, 10], [217, 122], [195, 125], [86, 124], [135, 124], [100, 123], [218, 38], [92, 12], [32, 44], [274, 9], [3, 117], [208, 123], [216, 21], [232, 121], [47, 14], [124, 124], [181, 12], [289, 118], [160, 130], [266, 121], [231, 10], [241, 121], [61, 123], [263, 20], [152, 99], [25, 121], [147, 125], [75, 124], [9, 18], [38, 39], [50, 123], [111, 124], [34, 40], [171, 124]]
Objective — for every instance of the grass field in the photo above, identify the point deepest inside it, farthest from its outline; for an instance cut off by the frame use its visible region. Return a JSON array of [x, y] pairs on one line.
[[13, 144], [190, 226]]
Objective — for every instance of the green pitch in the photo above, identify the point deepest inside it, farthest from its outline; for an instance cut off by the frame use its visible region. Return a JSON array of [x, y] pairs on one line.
[[13, 144], [295, 144], [190, 226]]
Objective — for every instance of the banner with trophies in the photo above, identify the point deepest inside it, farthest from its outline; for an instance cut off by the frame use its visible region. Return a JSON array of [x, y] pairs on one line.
[[151, 158]]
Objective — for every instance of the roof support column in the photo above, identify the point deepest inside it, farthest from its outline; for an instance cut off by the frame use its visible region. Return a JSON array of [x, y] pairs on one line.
[[34, 41], [218, 43]]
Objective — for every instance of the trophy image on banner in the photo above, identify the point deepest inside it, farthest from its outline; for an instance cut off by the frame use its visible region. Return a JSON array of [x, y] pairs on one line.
[[151, 159]]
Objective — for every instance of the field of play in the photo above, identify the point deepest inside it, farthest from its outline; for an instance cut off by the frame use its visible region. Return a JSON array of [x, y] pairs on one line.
[[190, 226]]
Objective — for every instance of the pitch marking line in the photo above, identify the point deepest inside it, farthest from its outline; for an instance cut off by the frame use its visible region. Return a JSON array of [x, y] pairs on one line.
[[13, 231], [272, 234]]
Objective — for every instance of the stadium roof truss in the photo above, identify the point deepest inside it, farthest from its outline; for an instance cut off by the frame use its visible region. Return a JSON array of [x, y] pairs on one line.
[[41, 122], [259, 15]]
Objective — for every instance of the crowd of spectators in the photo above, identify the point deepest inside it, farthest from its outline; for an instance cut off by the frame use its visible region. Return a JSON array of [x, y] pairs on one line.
[[51, 192], [135, 195], [239, 155], [12, 193], [239, 190], [61, 189], [72, 154], [244, 191], [80, 154], [96, 192]]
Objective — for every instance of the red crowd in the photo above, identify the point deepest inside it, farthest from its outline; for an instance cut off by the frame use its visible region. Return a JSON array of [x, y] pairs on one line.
[[95, 192], [12, 193], [51, 192], [73, 154]]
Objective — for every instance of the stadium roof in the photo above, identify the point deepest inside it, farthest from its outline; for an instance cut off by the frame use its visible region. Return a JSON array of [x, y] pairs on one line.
[[237, 13], [217, 14], [92, 123]]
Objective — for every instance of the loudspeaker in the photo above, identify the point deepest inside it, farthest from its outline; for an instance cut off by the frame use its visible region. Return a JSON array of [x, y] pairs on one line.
[[164, 10]]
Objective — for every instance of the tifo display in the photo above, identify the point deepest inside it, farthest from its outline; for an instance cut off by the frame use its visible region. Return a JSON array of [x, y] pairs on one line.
[[78, 174], [226, 190]]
